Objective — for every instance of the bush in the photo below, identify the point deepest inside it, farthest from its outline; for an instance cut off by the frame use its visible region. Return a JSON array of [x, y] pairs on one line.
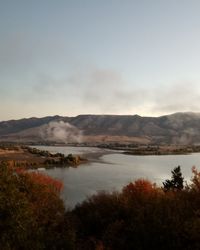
[[142, 216]]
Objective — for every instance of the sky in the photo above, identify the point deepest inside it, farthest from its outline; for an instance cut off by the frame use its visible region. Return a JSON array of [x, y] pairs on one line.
[[71, 57]]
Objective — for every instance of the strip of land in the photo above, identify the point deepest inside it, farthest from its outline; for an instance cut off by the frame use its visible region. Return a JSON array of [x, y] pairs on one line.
[[132, 149], [32, 158]]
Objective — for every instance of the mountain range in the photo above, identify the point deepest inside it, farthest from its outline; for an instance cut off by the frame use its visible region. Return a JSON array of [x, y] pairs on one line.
[[177, 128]]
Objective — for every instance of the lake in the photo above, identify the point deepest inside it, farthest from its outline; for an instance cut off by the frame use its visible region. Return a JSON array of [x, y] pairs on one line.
[[112, 170]]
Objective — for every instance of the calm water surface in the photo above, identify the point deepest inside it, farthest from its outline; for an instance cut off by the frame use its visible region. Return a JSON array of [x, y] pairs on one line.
[[114, 170]]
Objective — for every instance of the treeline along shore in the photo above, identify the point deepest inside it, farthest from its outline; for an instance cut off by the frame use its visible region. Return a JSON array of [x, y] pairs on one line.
[[154, 149], [33, 158]]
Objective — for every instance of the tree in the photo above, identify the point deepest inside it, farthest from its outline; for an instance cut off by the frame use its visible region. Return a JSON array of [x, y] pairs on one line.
[[176, 182], [140, 186], [31, 212]]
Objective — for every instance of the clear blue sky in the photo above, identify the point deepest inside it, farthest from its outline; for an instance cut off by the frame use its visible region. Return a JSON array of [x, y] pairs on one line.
[[71, 57]]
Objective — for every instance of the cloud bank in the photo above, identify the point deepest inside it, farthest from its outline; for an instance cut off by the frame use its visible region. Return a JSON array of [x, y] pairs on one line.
[[101, 91]]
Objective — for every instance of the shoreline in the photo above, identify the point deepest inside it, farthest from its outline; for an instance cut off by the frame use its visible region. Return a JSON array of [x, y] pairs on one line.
[[30, 157]]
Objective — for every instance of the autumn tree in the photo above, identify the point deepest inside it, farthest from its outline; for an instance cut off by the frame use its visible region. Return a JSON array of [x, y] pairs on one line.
[[32, 215], [16, 215]]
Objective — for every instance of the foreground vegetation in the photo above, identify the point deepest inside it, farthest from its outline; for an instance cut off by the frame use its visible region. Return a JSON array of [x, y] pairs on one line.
[[141, 216]]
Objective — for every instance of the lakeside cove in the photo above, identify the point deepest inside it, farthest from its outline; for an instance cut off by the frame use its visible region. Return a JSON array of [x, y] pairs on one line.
[[87, 170]]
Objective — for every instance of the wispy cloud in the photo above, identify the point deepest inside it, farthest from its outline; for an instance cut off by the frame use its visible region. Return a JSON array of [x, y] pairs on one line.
[[106, 91], [181, 96]]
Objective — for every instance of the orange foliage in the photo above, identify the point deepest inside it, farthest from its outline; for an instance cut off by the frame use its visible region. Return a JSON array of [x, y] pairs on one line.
[[31, 209], [196, 179], [40, 179], [42, 191], [139, 186], [46, 180], [19, 170]]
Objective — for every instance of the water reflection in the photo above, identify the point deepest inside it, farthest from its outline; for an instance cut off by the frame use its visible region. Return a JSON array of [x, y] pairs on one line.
[[116, 171]]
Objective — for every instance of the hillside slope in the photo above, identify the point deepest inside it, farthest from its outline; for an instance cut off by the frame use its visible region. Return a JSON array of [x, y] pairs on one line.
[[178, 128]]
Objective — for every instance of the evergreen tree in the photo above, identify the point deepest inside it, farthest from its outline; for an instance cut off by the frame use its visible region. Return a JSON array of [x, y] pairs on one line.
[[176, 182]]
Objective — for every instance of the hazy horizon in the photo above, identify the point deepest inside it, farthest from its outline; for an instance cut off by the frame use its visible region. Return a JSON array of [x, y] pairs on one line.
[[99, 57], [65, 115]]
